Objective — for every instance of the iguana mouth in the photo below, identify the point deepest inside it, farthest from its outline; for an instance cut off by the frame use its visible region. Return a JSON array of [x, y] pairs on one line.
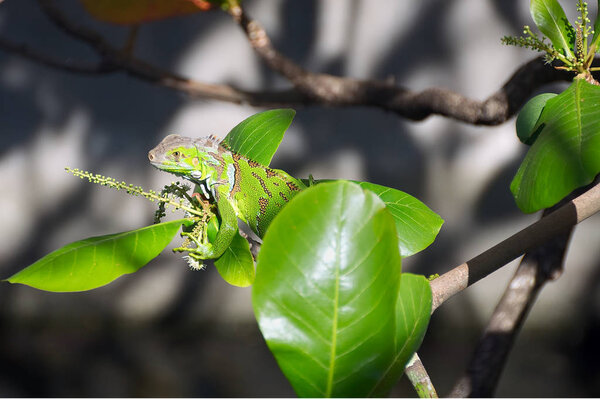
[[170, 167]]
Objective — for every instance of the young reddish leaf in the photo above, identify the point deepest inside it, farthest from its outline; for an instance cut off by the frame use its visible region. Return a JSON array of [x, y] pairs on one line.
[[129, 12]]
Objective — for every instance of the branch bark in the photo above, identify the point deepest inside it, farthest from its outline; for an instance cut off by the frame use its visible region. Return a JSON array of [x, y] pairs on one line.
[[538, 267], [53, 62], [420, 380], [122, 60], [541, 265], [545, 229], [337, 91], [308, 88]]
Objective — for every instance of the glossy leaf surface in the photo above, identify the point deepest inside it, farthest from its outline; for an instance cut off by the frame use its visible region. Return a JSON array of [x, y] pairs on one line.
[[258, 136], [566, 154], [528, 117], [597, 23], [551, 20], [326, 289], [96, 261], [413, 310], [128, 12], [416, 224], [236, 265]]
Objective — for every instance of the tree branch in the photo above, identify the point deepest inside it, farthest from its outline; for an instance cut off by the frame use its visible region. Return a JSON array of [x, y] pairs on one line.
[[539, 266], [122, 60], [417, 374], [547, 228], [311, 88], [53, 62]]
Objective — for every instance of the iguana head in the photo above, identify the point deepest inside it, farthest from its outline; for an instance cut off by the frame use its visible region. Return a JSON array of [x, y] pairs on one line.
[[193, 159]]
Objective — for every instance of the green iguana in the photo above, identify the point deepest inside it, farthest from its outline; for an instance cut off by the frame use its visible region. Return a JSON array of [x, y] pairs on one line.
[[240, 187]]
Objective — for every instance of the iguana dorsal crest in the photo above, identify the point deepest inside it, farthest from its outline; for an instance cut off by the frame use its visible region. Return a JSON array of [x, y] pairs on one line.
[[240, 187], [213, 142], [207, 142]]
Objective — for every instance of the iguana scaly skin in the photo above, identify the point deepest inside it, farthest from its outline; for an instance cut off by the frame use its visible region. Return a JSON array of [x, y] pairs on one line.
[[240, 187]]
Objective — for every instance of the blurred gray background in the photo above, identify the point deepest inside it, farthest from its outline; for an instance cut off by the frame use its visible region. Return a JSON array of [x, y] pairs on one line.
[[168, 331]]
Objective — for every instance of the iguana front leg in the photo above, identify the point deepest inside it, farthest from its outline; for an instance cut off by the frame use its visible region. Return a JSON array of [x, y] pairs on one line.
[[213, 249]]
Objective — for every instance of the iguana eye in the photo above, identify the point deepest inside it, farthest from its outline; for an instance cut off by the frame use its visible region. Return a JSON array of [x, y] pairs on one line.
[[176, 154]]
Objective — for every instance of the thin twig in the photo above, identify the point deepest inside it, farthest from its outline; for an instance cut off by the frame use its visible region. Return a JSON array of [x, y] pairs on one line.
[[548, 227], [320, 89], [417, 374], [131, 40], [53, 62], [135, 67], [79, 32]]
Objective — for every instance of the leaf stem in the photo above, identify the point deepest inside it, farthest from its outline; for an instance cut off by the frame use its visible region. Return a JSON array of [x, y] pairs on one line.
[[416, 373]]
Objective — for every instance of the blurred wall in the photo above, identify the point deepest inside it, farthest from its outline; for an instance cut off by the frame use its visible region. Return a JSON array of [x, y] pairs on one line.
[[168, 331]]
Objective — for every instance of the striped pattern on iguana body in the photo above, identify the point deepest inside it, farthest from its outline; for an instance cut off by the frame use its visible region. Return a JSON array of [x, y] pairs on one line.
[[240, 187]]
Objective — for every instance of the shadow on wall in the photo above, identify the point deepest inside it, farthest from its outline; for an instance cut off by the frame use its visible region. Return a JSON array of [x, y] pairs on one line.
[[201, 340]]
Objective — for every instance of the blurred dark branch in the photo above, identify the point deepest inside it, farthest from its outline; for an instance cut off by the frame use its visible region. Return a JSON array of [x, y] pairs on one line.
[[53, 62], [308, 88], [548, 227], [122, 60], [541, 265]]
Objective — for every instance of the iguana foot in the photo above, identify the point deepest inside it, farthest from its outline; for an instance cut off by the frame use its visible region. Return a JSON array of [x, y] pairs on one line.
[[195, 264]]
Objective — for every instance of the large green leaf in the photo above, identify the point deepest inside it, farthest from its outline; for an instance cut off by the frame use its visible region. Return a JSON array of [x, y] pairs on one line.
[[96, 261], [551, 20], [236, 265], [566, 154], [413, 310], [258, 136], [326, 289], [416, 224]]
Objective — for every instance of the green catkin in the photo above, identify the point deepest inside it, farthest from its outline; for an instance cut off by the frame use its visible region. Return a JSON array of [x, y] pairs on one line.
[[170, 195], [174, 195], [578, 58]]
